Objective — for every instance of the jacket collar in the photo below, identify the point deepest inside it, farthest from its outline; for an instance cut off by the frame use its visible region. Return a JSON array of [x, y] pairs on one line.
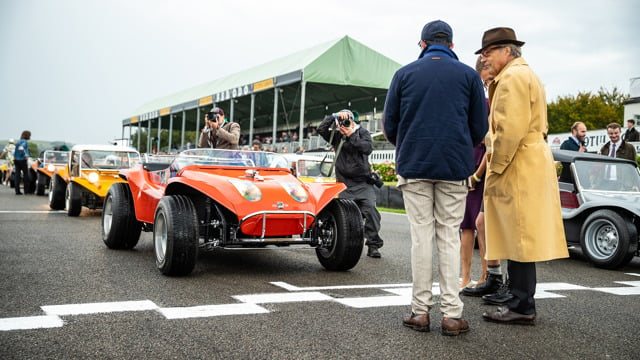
[[515, 62], [437, 49]]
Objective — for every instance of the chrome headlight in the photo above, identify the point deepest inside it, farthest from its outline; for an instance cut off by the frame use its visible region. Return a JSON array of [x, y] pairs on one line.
[[297, 192], [51, 168], [247, 189]]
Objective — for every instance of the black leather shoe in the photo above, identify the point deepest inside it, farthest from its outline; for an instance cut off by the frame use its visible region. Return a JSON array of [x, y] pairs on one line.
[[373, 252], [491, 285], [418, 322], [453, 327], [501, 297], [505, 316]]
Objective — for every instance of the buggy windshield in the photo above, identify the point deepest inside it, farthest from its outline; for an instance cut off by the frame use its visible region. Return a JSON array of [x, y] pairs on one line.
[[228, 158], [607, 176]]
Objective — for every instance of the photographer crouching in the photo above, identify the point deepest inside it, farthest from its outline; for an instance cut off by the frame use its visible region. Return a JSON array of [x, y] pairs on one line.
[[352, 145]]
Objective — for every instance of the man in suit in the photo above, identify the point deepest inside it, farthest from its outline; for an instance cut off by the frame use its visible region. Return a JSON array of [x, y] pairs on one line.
[[617, 147], [631, 134], [574, 143]]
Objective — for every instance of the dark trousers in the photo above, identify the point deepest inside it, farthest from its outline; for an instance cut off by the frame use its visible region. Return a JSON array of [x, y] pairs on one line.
[[21, 173], [364, 196], [522, 280]]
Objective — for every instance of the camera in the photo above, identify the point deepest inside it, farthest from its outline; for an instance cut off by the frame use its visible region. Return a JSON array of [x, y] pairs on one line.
[[342, 122], [213, 117], [374, 179]]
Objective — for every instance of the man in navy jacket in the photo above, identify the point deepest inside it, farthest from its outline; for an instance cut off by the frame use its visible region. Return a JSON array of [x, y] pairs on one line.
[[435, 113]]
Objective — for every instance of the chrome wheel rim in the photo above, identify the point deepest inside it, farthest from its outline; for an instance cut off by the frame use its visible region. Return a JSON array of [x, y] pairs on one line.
[[107, 215], [601, 239], [160, 238]]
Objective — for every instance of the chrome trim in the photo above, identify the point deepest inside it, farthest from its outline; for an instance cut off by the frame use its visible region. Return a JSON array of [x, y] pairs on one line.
[[264, 221]]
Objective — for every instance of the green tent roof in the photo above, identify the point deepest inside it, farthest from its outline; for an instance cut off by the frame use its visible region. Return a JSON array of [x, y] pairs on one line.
[[341, 62]]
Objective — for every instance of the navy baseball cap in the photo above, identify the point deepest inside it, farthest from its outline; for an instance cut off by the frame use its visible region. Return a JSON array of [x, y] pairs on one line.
[[437, 29]]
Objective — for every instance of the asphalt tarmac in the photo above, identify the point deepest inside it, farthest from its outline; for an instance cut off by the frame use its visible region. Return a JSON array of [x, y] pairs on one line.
[[65, 295]]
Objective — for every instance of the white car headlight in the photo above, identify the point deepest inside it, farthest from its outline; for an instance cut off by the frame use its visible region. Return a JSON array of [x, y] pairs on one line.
[[51, 168], [93, 178], [296, 190], [247, 189]]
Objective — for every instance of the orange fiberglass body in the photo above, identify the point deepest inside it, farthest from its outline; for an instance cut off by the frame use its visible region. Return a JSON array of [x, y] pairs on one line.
[[230, 199]]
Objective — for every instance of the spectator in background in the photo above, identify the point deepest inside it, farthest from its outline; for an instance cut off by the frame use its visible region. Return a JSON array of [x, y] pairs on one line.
[[631, 134], [574, 143], [255, 146], [616, 147], [490, 286], [20, 161], [8, 151], [473, 203]]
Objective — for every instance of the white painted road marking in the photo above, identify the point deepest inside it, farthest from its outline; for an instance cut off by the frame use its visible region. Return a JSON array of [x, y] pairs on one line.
[[30, 322], [211, 310], [401, 296], [282, 297], [32, 212], [96, 308]]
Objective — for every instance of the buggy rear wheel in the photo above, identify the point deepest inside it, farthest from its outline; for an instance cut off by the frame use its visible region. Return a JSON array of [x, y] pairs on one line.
[[608, 239]]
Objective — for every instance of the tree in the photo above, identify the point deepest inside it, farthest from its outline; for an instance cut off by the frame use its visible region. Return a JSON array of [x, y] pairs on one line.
[[595, 110]]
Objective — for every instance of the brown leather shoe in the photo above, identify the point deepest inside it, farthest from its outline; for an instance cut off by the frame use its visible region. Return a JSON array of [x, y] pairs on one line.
[[418, 322], [453, 327], [506, 316]]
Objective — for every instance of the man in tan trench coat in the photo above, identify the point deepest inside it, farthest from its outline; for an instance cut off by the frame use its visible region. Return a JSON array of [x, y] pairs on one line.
[[522, 204]]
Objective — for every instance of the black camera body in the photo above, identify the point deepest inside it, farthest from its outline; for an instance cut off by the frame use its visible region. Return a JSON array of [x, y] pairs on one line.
[[342, 122], [213, 117], [374, 179]]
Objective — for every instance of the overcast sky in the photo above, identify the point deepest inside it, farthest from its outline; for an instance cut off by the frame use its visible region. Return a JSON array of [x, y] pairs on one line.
[[72, 70]]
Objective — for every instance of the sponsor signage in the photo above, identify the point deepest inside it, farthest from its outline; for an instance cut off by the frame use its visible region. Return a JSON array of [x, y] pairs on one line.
[[206, 100], [262, 85]]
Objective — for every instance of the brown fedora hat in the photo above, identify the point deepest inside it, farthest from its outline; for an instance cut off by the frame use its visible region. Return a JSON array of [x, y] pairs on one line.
[[499, 35]]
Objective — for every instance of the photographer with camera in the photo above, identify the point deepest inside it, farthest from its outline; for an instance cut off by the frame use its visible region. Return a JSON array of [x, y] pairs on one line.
[[353, 146], [218, 133]]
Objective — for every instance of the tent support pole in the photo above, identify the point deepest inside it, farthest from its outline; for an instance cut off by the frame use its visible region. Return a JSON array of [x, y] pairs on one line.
[[275, 115], [302, 97], [171, 116], [184, 120], [251, 115]]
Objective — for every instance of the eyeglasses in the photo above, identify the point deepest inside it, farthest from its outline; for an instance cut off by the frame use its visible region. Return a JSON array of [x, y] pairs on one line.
[[487, 51]]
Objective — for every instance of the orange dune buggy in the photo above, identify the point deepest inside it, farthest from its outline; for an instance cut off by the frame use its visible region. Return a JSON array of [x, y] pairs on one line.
[[210, 198]]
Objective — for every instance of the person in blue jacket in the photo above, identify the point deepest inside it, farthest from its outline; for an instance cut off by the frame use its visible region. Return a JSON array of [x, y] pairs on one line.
[[20, 161], [435, 114]]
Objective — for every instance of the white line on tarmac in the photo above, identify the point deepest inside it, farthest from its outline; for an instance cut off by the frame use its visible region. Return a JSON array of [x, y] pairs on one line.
[[32, 212], [211, 310], [290, 287], [95, 308], [283, 297], [30, 322]]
